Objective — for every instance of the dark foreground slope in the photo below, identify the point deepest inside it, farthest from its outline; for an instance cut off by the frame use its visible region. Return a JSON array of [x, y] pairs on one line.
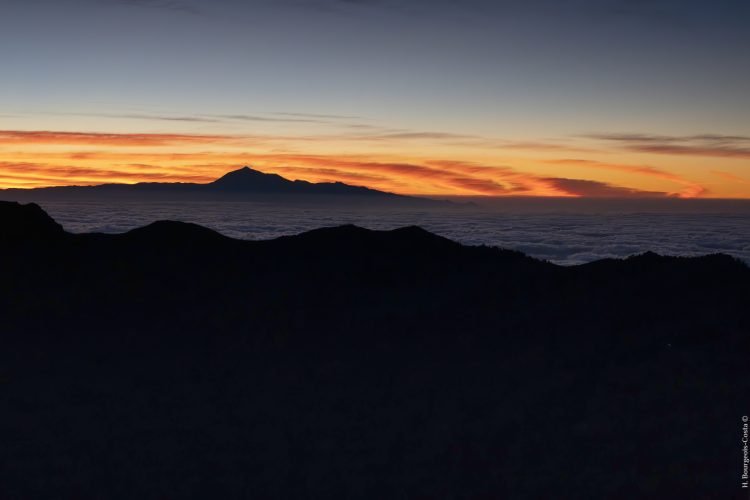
[[172, 362]]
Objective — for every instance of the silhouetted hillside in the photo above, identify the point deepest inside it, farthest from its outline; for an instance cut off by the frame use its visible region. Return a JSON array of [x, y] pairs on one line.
[[242, 184], [173, 362], [26, 222]]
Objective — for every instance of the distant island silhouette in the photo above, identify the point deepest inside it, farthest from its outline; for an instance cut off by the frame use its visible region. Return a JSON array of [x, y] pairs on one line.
[[171, 361], [242, 184]]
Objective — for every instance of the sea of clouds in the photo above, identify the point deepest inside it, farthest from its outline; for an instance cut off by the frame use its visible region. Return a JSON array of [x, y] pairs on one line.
[[563, 237]]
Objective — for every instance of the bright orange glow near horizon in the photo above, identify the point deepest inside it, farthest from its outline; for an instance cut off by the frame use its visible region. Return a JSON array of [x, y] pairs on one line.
[[421, 164]]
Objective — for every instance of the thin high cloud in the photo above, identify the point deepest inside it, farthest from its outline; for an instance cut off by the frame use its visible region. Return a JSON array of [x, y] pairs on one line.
[[542, 147], [181, 6], [258, 118], [318, 115], [423, 135], [366, 132], [272, 117], [209, 118], [712, 145], [147, 139], [144, 116], [197, 119], [97, 138], [466, 140]]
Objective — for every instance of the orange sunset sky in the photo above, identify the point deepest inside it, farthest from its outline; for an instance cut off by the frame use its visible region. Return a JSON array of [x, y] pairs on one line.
[[479, 97], [402, 161]]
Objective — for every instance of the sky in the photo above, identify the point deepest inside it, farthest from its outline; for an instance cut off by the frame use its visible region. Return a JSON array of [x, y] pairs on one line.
[[602, 98]]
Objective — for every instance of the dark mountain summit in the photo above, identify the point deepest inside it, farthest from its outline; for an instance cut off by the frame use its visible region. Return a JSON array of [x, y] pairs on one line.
[[251, 180], [173, 362], [242, 184]]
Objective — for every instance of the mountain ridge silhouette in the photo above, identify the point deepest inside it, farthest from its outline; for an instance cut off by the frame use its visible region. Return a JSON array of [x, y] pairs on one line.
[[173, 362], [20, 222], [241, 184]]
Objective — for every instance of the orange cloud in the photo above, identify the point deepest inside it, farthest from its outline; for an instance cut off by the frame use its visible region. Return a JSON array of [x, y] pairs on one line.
[[92, 138], [202, 158], [435, 177], [690, 189], [41, 174], [595, 189], [430, 177], [730, 177], [716, 145], [438, 179]]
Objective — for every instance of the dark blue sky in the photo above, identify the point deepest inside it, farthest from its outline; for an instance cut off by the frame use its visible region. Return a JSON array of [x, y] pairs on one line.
[[473, 61]]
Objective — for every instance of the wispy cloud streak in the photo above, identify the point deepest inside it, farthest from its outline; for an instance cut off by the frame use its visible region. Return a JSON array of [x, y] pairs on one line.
[[596, 189], [691, 189], [96, 138], [716, 145], [173, 5], [183, 157]]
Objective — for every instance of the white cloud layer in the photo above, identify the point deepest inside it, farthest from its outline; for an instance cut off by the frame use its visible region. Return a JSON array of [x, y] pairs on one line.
[[563, 238]]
